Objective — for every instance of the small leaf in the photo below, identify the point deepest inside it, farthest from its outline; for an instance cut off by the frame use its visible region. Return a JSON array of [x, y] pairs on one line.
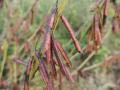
[[58, 13], [34, 67]]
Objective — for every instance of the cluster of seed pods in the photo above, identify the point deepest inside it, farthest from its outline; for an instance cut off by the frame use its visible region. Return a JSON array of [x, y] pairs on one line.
[[51, 57], [99, 20]]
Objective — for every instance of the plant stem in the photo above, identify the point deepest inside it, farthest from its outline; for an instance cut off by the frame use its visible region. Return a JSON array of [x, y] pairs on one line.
[[5, 49], [83, 64], [92, 67]]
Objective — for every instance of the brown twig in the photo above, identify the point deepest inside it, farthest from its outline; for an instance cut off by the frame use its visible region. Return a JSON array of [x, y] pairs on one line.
[[83, 64]]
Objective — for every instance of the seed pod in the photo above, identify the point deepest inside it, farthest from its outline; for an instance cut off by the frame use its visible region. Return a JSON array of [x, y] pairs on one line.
[[27, 75], [43, 71], [53, 69], [26, 46], [47, 35], [26, 86], [50, 83], [70, 30], [63, 68], [26, 25], [1, 3], [97, 34], [63, 53], [53, 63], [17, 61], [106, 7], [48, 56], [29, 67], [55, 50], [51, 21], [48, 52], [105, 11], [47, 38], [115, 25], [47, 41]]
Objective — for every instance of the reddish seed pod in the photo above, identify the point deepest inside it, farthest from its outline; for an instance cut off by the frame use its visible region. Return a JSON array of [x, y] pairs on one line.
[[53, 69], [47, 42], [97, 34], [105, 11], [48, 56], [51, 21], [29, 67], [106, 7], [26, 46], [26, 86], [53, 63], [70, 30], [43, 72], [26, 25], [47, 38], [20, 62], [115, 25], [42, 76], [1, 3], [48, 51], [50, 83], [63, 53], [63, 68], [55, 50], [68, 75]]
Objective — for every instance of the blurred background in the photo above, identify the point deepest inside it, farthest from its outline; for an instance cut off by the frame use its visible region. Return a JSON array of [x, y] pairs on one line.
[[18, 32]]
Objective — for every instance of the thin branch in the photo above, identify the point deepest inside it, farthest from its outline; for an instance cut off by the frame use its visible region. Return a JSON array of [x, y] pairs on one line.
[[83, 64]]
